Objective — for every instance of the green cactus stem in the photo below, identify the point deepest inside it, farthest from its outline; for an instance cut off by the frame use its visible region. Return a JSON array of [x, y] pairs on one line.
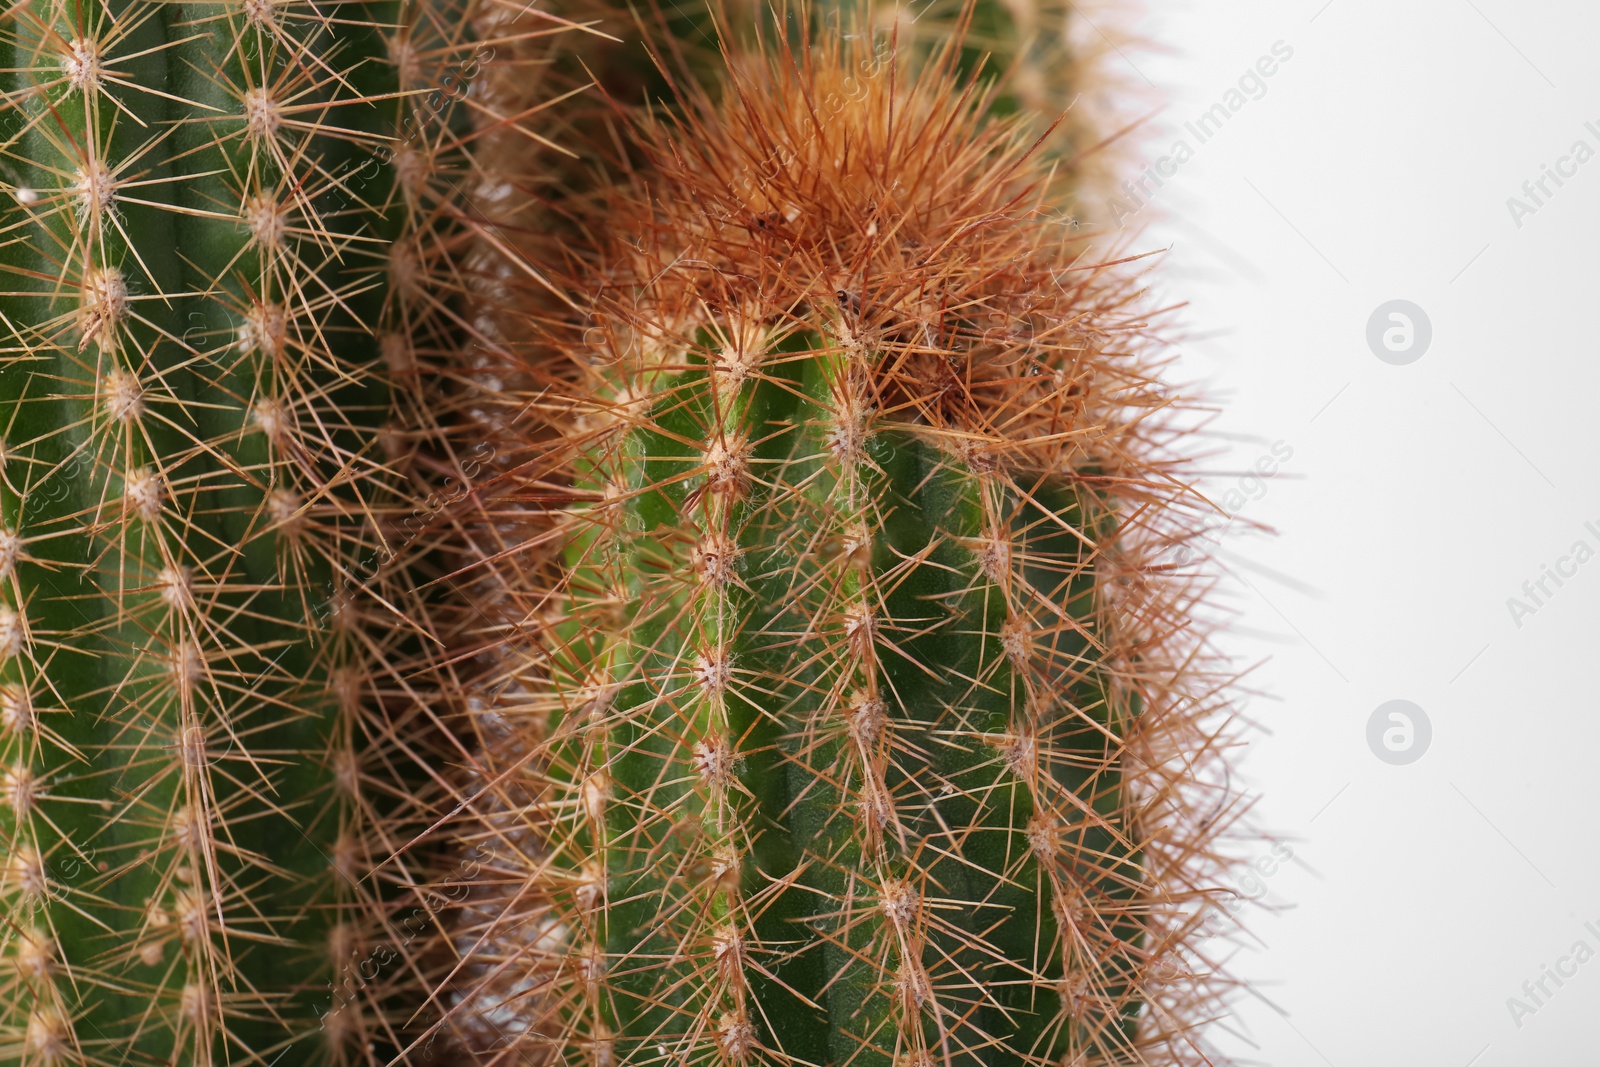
[[838, 716], [216, 290]]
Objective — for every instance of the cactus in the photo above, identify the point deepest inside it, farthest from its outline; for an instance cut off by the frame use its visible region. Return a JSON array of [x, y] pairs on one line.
[[217, 232], [834, 708]]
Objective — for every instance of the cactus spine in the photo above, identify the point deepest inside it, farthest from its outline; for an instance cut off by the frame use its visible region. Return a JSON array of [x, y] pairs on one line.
[[213, 286], [839, 716]]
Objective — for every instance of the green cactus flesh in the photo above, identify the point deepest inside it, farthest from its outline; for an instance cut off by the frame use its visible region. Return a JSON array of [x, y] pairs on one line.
[[820, 782], [197, 245]]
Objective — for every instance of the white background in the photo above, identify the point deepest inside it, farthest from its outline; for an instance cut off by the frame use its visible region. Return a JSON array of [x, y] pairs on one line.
[[1418, 500]]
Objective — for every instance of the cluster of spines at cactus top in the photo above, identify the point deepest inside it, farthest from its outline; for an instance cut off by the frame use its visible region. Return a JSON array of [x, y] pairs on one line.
[[831, 707], [1045, 61], [218, 226]]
